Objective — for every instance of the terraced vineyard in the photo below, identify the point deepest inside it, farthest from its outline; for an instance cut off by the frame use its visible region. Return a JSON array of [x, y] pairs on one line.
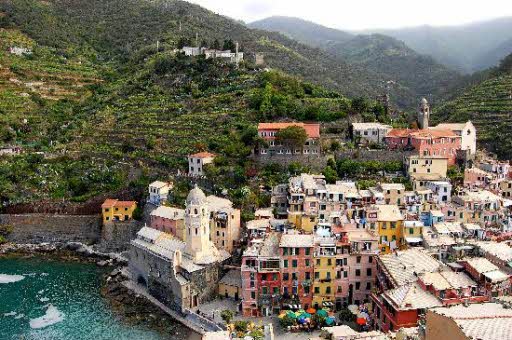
[[489, 106]]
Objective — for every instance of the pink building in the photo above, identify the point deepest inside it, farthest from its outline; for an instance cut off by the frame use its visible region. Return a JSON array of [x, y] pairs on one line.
[[427, 142], [169, 220], [268, 132]]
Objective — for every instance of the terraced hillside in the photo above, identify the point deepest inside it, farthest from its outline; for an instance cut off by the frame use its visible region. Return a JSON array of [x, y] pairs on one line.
[[489, 105]]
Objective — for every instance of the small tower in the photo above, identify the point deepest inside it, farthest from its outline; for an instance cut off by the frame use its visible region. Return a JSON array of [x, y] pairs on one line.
[[197, 224], [423, 114]]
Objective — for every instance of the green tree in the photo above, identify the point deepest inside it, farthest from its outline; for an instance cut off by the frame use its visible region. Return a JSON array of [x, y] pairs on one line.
[[295, 136], [266, 100], [227, 315], [330, 174]]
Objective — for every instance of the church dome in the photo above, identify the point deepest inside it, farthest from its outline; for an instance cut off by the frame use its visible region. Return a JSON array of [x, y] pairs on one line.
[[196, 196]]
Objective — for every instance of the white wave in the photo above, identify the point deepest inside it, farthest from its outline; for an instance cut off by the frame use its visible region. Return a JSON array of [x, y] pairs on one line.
[[44, 299], [52, 316], [41, 291], [19, 316], [4, 278], [10, 314]]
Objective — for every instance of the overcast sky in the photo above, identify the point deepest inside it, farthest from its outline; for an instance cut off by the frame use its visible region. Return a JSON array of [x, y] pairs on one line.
[[361, 14]]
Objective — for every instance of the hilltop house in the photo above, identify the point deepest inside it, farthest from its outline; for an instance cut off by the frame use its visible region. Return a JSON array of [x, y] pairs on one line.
[[197, 161], [274, 150], [370, 132], [232, 57], [159, 192]]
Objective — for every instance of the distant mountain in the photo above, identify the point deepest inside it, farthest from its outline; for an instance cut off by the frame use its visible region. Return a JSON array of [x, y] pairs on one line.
[[488, 103], [389, 59], [302, 30], [416, 74], [467, 48]]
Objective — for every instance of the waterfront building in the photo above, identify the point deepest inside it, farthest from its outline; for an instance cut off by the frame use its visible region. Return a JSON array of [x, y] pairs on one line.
[[114, 210], [169, 220]]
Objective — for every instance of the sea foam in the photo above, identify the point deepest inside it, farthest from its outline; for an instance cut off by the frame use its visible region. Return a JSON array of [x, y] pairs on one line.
[[4, 278], [52, 316]]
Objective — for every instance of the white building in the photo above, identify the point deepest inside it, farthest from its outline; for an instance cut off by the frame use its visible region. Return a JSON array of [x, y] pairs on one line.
[[370, 132], [466, 130], [196, 163], [441, 190], [233, 57], [159, 192]]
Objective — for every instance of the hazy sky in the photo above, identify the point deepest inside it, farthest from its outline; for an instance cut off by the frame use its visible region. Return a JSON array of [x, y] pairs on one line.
[[361, 14]]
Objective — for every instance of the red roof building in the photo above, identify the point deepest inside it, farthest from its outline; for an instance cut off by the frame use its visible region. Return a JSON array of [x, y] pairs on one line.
[[427, 142], [268, 132]]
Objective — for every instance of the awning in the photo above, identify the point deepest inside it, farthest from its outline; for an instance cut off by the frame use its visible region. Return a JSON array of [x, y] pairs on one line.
[[414, 239], [327, 304]]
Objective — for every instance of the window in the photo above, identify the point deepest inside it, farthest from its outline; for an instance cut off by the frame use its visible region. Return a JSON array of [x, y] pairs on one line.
[[339, 289], [294, 263], [317, 275], [285, 251], [307, 251], [253, 295], [358, 259], [306, 290], [317, 262], [358, 285], [308, 275], [328, 290], [411, 231], [285, 263], [307, 263], [368, 272], [286, 276], [358, 272], [264, 290], [275, 290], [368, 285], [329, 262], [317, 290], [274, 277]]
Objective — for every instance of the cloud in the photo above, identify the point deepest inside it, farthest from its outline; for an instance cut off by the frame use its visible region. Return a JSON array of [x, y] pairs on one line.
[[258, 8]]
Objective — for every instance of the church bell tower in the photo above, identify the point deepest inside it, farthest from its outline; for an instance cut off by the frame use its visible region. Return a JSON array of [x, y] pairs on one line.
[[423, 114]]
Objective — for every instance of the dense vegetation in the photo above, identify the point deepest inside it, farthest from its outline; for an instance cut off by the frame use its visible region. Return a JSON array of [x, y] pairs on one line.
[[111, 111], [488, 103]]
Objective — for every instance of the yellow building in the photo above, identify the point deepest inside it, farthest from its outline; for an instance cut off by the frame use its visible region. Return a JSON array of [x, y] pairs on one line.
[[230, 286], [303, 222], [114, 210], [390, 228], [325, 272], [413, 233]]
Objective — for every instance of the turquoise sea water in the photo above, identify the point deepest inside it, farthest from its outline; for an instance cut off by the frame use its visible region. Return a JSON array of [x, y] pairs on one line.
[[58, 301]]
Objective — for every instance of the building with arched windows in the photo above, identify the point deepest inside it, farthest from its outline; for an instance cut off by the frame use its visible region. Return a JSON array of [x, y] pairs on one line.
[[181, 274]]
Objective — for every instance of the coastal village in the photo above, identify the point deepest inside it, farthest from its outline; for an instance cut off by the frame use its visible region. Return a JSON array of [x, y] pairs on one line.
[[429, 258]]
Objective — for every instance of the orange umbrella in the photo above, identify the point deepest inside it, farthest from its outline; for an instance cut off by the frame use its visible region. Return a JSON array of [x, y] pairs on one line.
[[311, 311]]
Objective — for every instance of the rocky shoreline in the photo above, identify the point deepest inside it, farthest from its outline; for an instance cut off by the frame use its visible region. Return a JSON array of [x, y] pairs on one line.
[[129, 306]]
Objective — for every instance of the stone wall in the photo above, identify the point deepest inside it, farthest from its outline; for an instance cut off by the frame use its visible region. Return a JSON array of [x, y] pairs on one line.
[[374, 155], [38, 228], [317, 162], [116, 236]]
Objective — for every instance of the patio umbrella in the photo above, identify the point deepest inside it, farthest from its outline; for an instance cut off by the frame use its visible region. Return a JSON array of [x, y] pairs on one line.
[[305, 315], [311, 311], [330, 320], [291, 315], [281, 315], [322, 313], [301, 320]]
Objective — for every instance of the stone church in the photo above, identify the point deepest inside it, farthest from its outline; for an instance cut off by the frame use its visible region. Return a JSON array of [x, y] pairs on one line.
[[180, 274]]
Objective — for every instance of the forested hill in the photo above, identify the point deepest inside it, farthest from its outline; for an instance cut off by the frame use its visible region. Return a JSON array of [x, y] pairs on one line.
[[304, 31], [97, 108], [119, 28], [488, 103], [414, 75]]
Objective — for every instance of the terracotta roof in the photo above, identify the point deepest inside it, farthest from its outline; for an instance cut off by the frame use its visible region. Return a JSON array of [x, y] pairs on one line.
[[202, 155], [109, 203], [312, 129], [425, 133]]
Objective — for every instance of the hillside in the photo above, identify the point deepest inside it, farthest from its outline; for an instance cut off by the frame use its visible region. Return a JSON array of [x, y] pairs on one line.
[[415, 75], [112, 112], [304, 31], [488, 104], [467, 48]]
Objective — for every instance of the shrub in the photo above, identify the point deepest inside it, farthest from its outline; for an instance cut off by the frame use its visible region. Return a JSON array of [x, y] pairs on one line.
[[227, 315]]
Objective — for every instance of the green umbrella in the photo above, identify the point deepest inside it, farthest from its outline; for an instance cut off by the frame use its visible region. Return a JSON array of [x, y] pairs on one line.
[[305, 315], [291, 315], [322, 313]]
